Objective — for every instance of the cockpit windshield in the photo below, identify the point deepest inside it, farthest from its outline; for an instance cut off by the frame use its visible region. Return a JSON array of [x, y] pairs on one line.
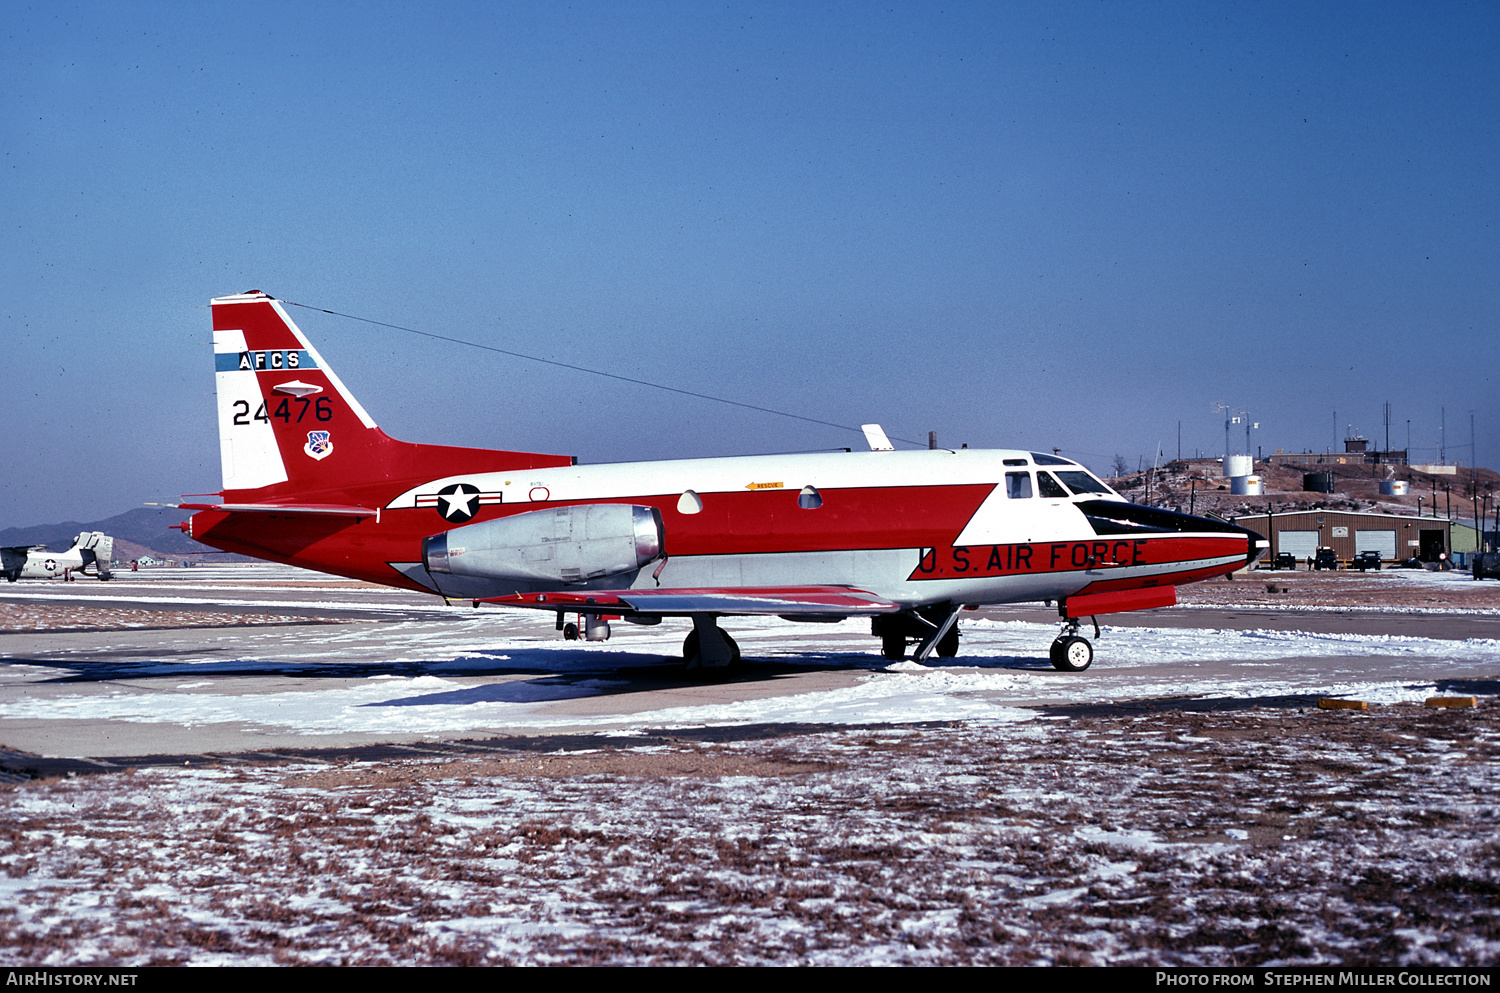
[[1082, 482], [1049, 487]]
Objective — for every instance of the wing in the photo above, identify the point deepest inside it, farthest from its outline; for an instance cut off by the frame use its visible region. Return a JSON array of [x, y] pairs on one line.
[[782, 601]]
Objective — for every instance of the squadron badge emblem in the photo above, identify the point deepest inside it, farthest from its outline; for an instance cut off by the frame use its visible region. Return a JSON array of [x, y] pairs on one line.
[[319, 445]]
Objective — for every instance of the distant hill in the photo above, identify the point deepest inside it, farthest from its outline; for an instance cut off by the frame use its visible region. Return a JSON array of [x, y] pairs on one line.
[[136, 532]]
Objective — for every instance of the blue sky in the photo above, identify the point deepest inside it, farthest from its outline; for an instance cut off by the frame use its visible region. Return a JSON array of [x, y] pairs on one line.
[[1029, 225]]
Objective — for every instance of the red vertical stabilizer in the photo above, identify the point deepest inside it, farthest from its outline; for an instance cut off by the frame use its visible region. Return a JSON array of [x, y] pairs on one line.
[[291, 432]]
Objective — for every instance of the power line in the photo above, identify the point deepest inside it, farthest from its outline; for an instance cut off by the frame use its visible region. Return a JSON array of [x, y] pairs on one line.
[[594, 372]]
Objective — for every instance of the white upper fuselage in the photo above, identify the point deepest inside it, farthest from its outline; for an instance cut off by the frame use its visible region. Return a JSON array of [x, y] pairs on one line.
[[999, 519]]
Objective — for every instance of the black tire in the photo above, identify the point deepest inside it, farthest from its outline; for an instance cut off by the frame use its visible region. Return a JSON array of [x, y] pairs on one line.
[[893, 647], [570, 631], [1072, 654], [690, 652], [947, 646]]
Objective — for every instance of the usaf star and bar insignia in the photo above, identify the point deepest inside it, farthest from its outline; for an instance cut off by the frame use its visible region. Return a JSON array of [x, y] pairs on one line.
[[458, 502]]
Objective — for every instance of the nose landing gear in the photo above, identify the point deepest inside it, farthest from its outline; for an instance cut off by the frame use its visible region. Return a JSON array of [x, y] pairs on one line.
[[1072, 652]]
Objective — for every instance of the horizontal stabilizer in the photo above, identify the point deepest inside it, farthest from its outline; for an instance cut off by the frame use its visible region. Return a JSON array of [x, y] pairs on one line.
[[336, 510], [781, 601]]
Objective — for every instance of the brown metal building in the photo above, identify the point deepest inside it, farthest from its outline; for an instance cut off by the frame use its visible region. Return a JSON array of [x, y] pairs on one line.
[[1348, 533]]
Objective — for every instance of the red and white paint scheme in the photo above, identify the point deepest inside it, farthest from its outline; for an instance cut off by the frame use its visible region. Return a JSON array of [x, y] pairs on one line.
[[907, 538]]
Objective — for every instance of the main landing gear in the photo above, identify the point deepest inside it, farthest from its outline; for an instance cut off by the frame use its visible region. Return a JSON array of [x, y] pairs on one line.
[[1071, 652], [933, 629], [707, 649], [590, 627]]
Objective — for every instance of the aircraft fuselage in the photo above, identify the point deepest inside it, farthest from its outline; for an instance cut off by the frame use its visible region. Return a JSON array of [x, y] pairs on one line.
[[916, 527]]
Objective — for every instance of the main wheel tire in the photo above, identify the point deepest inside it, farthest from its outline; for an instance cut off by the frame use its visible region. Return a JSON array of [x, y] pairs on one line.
[[570, 631], [690, 654], [893, 646], [947, 646], [1072, 654]]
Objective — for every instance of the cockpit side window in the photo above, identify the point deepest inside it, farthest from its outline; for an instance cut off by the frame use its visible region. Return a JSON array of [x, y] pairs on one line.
[[1082, 482], [1050, 487], [1018, 485]]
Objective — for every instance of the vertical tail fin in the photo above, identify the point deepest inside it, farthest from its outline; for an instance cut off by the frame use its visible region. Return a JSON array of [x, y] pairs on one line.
[[276, 395], [289, 428], [98, 548]]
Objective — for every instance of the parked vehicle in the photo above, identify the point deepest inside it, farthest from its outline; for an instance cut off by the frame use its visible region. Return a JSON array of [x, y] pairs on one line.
[[1284, 560], [1367, 560], [1486, 564], [1325, 559]]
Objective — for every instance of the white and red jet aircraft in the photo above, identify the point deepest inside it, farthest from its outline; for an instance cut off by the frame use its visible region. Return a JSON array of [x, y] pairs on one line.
[[906, 538]]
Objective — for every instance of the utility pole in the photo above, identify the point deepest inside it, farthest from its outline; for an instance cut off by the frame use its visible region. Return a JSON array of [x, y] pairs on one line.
[[1223, 408]]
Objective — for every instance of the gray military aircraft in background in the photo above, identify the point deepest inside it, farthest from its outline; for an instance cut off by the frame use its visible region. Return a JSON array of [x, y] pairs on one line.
[[36, 562]]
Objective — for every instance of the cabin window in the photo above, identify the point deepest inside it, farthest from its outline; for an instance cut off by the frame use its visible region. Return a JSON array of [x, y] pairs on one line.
[[1018, 485], [689, 503], [1050, 487], [809, 498]]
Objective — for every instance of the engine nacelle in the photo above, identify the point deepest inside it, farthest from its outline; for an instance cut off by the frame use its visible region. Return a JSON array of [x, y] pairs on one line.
[[557, 545]]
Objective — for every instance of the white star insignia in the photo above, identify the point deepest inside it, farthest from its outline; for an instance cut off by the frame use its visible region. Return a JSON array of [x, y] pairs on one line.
[[460, 503]]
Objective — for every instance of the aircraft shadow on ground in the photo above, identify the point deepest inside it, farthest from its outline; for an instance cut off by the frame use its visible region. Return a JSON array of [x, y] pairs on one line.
[[552, 675], [1469, 687], [638, 678]]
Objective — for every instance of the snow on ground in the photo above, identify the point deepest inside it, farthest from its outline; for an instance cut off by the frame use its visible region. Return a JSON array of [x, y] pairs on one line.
[[1170, 838], [898, 814], [1000, 659]]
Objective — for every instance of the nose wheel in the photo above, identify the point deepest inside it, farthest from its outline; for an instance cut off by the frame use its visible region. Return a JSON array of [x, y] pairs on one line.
[[1071, 652]]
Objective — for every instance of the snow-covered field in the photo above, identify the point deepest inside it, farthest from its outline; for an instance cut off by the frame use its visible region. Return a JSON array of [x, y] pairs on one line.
[[1182, 802], [1165, 838]]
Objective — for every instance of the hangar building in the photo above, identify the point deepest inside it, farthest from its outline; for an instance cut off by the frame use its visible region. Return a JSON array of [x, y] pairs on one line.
[[1348, 533]]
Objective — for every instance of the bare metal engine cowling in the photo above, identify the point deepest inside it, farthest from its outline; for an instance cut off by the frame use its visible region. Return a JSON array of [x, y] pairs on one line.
[[557, 545]]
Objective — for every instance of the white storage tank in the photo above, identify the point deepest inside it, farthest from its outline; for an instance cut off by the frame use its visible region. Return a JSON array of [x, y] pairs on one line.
[[1393, 487], [1238, 465], [1247, 485]]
